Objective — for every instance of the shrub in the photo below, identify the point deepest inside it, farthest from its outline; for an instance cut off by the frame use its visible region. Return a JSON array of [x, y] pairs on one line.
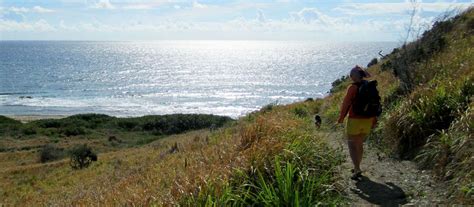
[[387, 65], [49, 123], [267, 108], [28, 130], [178, 123], [372, 62], [50, 153], [8, 125], [81, 156], [90, 121], [73, 131], [128, 125], [337, 84], [300, 112], [404, 61]]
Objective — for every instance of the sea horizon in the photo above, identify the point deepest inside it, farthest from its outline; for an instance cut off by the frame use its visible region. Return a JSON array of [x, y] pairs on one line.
[[136, 78]]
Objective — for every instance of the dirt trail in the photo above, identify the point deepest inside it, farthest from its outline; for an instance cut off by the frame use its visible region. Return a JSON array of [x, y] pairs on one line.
[[386, 181]]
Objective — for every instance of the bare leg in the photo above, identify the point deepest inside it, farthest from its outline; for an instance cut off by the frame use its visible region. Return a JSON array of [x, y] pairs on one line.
[[356, 150]]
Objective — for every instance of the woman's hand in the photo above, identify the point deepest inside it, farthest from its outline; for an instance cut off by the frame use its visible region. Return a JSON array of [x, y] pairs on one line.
[[374, 122]]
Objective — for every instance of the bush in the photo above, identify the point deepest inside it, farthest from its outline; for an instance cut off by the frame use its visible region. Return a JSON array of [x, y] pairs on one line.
[[28, 130], [300, 112], [82, 156], [90, 121], [128, 125], [49, 123], [373, 62], [50, 153], [8, 125], [178, 123], [337, 84], [387, 65], [267, 108], [73, 131], [404, 61]]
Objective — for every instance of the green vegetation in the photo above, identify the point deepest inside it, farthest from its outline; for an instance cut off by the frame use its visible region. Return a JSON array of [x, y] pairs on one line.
[[372, 62], [428, 113], [50, 153], [85, 124], [128, 132], [289, 181], [271, 157], [82, 156], [292, 166]]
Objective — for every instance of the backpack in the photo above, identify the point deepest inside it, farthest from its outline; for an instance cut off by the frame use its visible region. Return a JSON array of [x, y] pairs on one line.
[[367, 101]]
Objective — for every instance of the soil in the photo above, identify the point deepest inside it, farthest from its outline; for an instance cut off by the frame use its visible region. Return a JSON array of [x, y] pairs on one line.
[[386, 181]]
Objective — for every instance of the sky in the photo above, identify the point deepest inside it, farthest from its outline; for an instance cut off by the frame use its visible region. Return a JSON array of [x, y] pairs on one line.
[[315, 20]]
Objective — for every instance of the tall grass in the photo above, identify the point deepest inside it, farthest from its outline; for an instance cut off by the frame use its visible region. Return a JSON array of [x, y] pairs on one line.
[[427, 89], [449, 153], [288, 166]]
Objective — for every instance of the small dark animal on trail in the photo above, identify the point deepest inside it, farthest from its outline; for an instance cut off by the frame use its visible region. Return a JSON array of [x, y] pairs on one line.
[[317, 121]]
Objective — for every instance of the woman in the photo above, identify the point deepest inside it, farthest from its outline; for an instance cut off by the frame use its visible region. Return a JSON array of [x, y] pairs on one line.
[[357, 127]]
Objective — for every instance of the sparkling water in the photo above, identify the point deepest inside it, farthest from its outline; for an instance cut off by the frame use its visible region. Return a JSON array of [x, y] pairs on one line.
[[140, 78]]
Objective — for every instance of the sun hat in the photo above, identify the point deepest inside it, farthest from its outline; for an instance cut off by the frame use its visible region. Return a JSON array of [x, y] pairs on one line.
[[357, 70]]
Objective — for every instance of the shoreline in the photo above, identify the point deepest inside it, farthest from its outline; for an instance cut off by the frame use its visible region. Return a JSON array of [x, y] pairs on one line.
[[35, 117], [30, 118]]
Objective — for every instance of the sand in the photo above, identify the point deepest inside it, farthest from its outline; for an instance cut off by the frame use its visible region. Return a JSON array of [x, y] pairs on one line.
[[28, 118]]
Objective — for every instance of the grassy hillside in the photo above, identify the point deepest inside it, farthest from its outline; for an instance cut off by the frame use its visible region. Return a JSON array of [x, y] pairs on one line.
[[270, 157], [427, 88], [276, 145]]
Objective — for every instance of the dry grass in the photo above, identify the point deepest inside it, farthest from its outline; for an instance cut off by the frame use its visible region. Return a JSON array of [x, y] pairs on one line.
[[429, 116], [150, 174]]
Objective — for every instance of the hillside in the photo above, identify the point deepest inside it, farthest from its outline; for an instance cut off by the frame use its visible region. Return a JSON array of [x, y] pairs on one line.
[[427, 88], [274, 156]]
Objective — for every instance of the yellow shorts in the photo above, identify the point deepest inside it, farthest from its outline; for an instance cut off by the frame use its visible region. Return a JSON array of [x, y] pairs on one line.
[[359, 126]]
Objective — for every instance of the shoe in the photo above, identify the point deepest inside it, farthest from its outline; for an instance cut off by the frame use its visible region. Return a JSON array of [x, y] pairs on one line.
[[356, 175]]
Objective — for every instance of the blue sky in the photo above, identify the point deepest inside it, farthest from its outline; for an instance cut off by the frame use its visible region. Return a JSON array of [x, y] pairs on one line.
[[318, 20]]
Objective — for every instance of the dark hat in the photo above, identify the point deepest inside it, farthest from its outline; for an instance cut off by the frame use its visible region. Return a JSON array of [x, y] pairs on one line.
[[357, 70]]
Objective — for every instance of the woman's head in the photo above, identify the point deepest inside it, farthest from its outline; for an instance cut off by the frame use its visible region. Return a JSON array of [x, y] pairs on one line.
[[357, 74]]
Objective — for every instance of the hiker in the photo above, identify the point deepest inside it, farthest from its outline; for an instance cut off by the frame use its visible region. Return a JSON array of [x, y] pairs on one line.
[[317, 121], [357, 126]]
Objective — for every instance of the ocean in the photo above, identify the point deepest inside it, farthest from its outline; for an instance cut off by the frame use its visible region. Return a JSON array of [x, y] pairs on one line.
[[124, 79]]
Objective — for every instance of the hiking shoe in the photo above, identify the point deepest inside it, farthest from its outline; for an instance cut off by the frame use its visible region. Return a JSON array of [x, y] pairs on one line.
[[356, 175]]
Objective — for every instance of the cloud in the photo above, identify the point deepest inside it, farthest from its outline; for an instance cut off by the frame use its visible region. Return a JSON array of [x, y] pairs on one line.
[[307, 22], [40, 9], [138, 7], [19, 10], [197, 5], [314, 16], [103, 4], [23, 10], [14, 26], [63, 26], [261, 16], [129, 5], [398, 8]]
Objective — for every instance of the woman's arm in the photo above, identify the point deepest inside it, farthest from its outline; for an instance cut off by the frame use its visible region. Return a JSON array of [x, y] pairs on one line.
[[346, 104]]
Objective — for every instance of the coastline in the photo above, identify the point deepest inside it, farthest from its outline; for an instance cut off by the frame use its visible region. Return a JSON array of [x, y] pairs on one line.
[[29, 118]]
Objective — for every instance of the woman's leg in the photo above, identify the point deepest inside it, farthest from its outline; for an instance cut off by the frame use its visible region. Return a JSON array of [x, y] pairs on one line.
[[356, 150]]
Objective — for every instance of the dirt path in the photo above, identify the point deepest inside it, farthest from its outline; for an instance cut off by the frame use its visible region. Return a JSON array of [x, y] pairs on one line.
[[386, 181]]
